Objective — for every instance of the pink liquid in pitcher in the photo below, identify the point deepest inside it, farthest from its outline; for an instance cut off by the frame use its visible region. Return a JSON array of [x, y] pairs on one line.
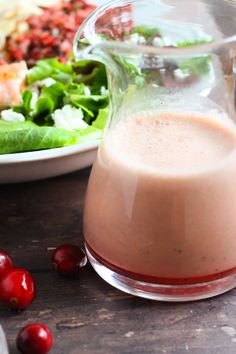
[[161, 201]]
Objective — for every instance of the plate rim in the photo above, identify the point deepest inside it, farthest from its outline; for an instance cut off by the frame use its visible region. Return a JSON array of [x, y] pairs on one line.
[[47, 154]]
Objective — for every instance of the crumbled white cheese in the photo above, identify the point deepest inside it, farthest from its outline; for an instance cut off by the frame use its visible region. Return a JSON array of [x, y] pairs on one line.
[[87, 91], [133, 39], [136, 38], [103, 91], [10, 116], [162, 42], [158, 42], [47, 82], [167, 41], [180, 75], [34, 99], [69, 118], [141, 40]]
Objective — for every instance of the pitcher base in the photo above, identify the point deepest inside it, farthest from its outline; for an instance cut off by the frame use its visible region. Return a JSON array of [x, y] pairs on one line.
[[162, 292]]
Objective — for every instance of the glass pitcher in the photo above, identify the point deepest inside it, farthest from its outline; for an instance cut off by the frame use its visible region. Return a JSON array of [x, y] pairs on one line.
[[160, 209]]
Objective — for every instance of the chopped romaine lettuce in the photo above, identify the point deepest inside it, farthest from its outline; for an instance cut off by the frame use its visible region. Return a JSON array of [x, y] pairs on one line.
[[102, 118], [191, 43], [56, 90], [27, 136], [196, 66], [92, 74], [50, 68], [89, 134], [92, 102], [147, 32], [25, 107]]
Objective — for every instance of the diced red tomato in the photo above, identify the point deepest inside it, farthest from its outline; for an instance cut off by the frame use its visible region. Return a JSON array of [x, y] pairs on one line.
[[50, 34]]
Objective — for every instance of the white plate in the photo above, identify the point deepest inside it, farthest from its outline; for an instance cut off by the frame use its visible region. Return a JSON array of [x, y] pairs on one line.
[[35, 165]]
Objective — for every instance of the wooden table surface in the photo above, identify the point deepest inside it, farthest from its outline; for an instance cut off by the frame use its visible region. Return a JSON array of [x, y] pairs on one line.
[[87, 315]]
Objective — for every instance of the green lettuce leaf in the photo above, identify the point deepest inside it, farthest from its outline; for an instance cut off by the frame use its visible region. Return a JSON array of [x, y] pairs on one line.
[[25, 107], [193, 42], [198, 66], [55, 92], [27, 136], [74, 88], [43, 110], [50, 68], [89, 134], [147, 32], [90, 103], [102, 118], [91, 73], [50, 99]]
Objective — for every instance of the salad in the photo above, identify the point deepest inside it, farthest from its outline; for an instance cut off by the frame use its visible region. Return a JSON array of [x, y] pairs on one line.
[[62, 104], [52, 102]]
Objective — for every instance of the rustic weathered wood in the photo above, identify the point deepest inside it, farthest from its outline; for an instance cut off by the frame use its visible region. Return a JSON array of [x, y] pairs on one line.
[[86, 315]]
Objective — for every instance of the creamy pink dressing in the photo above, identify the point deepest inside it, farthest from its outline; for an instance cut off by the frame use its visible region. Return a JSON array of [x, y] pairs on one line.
[[161, 200]]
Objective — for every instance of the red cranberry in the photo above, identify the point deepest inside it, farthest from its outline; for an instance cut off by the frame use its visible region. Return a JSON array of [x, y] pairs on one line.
[[5, 262], [34, 339], [17, 289], [68, 259]]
